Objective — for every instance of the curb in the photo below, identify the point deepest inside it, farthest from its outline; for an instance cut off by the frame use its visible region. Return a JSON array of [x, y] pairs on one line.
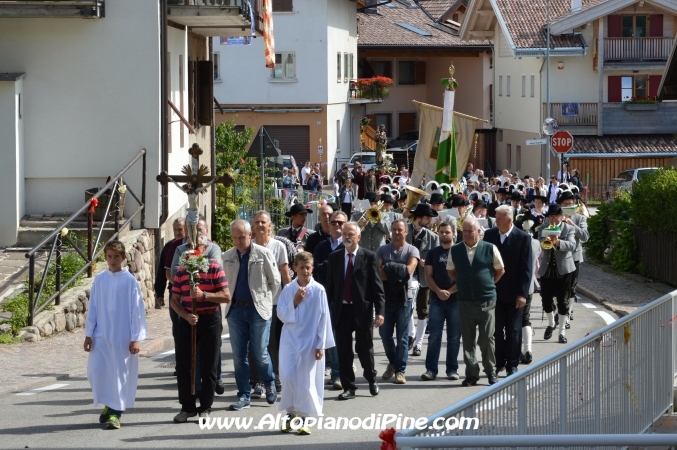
[[154, 346], [597, 298]]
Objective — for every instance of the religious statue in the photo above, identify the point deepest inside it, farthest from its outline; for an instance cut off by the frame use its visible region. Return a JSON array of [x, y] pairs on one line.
[[381, 143]]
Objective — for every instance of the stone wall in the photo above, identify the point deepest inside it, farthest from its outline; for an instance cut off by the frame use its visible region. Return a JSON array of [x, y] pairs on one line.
[[72, 312]]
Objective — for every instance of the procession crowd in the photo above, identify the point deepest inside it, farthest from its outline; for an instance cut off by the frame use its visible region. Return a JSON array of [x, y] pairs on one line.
[[296, 299]]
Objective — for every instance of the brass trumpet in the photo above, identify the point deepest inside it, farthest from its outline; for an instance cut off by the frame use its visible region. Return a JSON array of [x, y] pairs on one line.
[[373, 215], [547, 244]]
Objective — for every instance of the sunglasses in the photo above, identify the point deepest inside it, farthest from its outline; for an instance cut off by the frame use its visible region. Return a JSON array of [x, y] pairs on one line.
[[336, 222]]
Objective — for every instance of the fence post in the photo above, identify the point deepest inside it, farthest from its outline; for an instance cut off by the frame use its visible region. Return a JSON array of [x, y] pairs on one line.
[[563, 394], [597, 371], [57, 286], [31, 289], [90, 225], [522, 406]]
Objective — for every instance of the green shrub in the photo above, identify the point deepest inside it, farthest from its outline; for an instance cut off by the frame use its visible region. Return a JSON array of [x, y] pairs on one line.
[[654, 204], [600, 238], [622, 255]]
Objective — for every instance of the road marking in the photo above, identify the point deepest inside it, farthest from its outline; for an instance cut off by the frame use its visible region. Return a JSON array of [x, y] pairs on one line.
[[163, 354], [588, 305], [608, 319], [51, 387]]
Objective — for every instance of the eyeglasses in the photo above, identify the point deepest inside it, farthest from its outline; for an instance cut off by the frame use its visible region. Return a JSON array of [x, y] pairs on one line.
[[336, 222]]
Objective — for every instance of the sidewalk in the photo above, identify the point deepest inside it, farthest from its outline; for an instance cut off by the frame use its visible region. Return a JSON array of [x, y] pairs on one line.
[[61, 356], [621, 294]]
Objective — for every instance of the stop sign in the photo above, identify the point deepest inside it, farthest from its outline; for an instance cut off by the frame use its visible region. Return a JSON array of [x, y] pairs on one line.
[[562, 141]]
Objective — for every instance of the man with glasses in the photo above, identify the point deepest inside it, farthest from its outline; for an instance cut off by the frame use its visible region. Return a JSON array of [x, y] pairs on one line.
[[321, 257]]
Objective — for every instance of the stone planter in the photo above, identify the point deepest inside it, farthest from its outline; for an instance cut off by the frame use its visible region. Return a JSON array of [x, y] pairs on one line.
[[641, 106]]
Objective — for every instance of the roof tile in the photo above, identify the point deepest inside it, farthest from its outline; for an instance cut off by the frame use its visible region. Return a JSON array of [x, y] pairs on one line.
[[625, 144]]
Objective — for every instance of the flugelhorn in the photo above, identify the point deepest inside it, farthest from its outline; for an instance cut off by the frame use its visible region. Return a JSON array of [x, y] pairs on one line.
[[373, 215], [413, 197]]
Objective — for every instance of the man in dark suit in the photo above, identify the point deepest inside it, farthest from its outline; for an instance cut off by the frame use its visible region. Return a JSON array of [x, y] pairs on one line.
[[512, 289], [354, 289], [501, 194]]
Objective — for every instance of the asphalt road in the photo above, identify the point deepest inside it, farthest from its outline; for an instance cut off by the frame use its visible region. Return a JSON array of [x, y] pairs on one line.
[[61, 415]]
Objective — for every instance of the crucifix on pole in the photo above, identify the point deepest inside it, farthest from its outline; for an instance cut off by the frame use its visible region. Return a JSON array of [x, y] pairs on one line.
[[196, 179]]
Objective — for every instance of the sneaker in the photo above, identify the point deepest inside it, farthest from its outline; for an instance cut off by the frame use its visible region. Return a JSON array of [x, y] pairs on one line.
[[304, 430], [271, 395], [204, 413], [238, 405], [278, 385], [113, 422], [103, 418], [337, 385], [453, 376], [417, 351], [399, 378], [258, 390], [388, 374], [286, 423], [182, 416], [428, 376]]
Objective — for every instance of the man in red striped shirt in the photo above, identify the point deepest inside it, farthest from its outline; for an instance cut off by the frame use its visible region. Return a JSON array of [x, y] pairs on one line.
[[209, 292]]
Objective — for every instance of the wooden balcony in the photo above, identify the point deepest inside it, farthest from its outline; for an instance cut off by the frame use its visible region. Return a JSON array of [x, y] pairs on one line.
[[577, 118], [637, 49], [229, 18], [85, 9]]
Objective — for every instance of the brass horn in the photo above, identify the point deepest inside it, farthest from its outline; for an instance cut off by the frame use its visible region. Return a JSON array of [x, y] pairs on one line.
[[547, 244], [413, 197]]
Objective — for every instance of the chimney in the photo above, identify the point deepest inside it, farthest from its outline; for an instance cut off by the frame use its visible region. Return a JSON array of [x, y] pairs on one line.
[[576, 5]]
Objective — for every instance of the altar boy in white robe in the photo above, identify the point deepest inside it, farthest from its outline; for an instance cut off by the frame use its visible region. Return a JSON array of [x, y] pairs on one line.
[[304, 310], [116, 322]]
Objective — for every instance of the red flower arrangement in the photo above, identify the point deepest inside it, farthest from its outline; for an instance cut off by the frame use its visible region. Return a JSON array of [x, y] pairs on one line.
[[645, 100]]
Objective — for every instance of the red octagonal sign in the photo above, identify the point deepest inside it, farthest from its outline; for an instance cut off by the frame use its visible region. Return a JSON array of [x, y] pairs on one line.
[[562, 141]]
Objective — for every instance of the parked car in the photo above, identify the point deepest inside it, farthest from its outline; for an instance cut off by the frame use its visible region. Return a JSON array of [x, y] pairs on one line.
[[403, 139], [400, 155], [627, 179], [367, 159]]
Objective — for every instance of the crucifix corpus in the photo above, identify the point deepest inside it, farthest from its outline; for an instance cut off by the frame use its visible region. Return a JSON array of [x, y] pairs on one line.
[[196, 179]]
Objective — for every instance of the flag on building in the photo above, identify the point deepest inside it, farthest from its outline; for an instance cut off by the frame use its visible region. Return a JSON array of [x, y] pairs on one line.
[[268, 36]]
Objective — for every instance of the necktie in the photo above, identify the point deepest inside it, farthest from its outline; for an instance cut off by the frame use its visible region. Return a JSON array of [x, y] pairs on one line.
[[347, 295]]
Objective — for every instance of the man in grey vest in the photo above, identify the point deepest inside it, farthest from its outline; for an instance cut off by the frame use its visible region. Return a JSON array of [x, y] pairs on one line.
[[476, 266]]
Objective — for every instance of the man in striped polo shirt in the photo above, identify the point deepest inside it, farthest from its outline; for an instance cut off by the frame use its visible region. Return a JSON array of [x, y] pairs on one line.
[[211, 290]]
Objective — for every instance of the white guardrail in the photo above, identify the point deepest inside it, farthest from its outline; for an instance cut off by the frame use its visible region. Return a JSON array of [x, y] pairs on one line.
[[603, 391]]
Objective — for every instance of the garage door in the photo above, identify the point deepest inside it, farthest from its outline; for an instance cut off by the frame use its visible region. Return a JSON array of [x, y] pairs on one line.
[[294, 140]]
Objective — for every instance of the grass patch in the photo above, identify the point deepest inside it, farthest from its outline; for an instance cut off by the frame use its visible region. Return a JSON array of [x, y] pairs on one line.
[[9, 338]]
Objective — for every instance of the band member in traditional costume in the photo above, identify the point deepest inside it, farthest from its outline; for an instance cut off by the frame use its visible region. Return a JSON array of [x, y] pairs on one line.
[[297, 232], [556, 269], [501, 195]]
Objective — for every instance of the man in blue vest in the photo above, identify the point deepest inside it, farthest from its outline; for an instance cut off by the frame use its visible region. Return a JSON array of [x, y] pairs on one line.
[[476, 266]]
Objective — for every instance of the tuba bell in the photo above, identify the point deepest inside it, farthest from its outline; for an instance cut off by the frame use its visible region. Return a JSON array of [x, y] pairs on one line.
[[413, 197]]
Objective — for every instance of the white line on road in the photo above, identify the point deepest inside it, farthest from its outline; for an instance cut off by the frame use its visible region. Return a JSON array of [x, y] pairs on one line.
[[588, 305], [608, 319], [163, 354], [51, 387]]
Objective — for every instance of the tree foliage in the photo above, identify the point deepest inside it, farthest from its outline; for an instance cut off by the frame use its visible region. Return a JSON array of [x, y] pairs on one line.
[[653, 201]]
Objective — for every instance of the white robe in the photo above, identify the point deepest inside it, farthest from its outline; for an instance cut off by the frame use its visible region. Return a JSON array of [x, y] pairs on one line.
[[306, 329], [116, 317]]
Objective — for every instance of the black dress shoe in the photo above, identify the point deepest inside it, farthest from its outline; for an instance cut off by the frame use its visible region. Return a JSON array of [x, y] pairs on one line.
[[220, 388], [469, 382], [527, 358], [493, 379], [562, 339], [567, 326], [373, 388], [417, 351], [347, 395], [548, 332]]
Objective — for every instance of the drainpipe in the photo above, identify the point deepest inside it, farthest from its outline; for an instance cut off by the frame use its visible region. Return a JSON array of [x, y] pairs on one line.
[[164, 121], [212, 153]]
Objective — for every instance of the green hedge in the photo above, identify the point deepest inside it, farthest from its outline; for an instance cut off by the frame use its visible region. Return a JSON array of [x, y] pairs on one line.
[[600, 238], [654, 201]]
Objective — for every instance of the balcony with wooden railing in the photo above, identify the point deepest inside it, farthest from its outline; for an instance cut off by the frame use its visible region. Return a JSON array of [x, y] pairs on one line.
[[620, 49], [85, 9], [573, 114]]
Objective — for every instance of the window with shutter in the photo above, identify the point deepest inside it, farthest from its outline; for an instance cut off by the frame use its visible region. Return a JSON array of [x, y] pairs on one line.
[[283, 6], [656, 25], [614, 88], [615, 25]]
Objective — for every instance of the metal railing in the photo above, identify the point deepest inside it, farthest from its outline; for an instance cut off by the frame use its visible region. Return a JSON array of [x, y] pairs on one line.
[[573, 114], [609, 387], [54, 240], [637, 49]]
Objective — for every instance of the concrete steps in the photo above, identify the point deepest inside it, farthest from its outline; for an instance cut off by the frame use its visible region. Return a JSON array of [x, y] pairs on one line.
[[34, 228]]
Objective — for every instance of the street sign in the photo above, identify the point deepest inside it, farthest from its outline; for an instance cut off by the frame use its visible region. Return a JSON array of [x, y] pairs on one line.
[[562, 141], [320, 149], [542, 141]]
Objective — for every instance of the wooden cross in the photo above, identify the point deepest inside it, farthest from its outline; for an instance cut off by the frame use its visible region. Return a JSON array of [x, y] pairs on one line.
[[197, 180]]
